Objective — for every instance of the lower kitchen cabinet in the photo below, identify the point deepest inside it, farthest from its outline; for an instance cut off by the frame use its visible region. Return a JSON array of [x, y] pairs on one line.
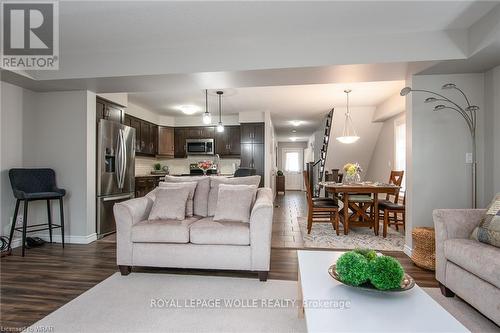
[[144, 185]]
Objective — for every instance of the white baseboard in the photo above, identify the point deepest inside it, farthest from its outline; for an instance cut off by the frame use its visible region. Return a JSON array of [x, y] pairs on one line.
[[16, 242], [407, 250]]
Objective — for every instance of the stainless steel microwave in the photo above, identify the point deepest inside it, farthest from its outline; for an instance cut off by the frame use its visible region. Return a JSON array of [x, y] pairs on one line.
[[200, 146]]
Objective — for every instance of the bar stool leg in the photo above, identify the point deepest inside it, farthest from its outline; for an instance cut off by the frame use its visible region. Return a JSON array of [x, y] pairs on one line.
[[25, 224], [14, 220], [49, 216], [61, 209]]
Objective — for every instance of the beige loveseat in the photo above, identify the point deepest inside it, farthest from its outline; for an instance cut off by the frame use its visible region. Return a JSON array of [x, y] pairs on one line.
[[196, 242], [465, 266]]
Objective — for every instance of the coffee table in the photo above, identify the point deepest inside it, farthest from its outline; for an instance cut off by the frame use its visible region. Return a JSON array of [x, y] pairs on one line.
[[330, 306]]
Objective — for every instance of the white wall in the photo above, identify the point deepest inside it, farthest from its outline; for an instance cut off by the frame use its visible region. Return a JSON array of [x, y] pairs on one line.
[[118, 98], [437, 174], [140, 112], [55, 130], [382, 161], [13, 102], [361, 151], [492, 133], [59, 133]]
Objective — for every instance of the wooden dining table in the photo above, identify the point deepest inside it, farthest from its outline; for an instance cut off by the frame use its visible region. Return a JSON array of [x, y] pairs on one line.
[[362, 188]]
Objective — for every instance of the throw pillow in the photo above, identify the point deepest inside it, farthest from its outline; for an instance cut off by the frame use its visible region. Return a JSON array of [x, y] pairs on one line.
[[200, 200], [170, 204], [488, 230], [214, 188], [234, 202], [192, 188]]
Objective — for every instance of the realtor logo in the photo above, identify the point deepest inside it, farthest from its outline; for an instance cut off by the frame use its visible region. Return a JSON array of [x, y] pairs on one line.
[[30, 35]]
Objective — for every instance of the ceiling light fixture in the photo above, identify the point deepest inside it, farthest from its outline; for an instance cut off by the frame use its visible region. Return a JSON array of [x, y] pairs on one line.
[[349, 133], [189, 109], [294, 131], [296, 122], [220, 127], [293, 138], [207, 118]]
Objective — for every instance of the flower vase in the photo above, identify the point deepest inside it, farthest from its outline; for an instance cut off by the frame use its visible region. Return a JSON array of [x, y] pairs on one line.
[[352, 179]]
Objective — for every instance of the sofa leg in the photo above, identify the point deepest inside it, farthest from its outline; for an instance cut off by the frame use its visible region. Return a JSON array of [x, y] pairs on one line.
[[125, 270], [263, 275], [445, 291]]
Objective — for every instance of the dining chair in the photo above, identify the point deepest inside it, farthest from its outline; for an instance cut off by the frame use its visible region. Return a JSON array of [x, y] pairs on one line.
[[388, 207], [320, 208], [395, 178]]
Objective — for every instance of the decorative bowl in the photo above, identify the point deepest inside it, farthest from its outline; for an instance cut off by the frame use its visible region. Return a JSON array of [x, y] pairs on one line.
[[406, 284]]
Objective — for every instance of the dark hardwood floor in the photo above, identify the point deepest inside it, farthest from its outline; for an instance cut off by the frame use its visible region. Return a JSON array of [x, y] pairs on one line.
[[49, 277]]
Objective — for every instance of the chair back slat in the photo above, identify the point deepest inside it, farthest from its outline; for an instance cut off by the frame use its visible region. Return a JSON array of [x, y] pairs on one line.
[[32, 180], [308, 188], [396, 178]]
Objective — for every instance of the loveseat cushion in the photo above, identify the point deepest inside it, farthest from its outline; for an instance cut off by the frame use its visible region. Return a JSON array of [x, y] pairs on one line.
[[208, 231], [162, 231], [215, 181], [478, 258], [200, 200]]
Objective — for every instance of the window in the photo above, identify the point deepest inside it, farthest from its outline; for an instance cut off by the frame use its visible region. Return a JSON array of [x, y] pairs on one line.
[[292, 163], [400, 146]]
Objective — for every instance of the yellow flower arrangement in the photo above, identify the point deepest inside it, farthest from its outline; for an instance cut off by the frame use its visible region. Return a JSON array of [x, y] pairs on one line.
[[352, 168]]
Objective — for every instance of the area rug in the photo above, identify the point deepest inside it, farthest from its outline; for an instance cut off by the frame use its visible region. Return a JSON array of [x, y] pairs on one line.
[[145, 302], [323, 236], [463, 312]]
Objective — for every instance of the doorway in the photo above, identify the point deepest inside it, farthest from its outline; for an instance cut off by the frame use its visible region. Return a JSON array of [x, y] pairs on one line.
[[292, 162]]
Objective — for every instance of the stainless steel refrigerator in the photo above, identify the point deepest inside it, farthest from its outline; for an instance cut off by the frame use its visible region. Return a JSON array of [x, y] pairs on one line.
[[115, 171]]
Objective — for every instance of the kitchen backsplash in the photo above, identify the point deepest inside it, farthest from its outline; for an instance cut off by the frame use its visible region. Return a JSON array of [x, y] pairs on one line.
[[144, 165]]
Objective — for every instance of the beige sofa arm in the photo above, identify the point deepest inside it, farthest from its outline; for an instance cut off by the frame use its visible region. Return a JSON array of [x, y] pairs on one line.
[[261, 221], [128, 213], [452, 224]]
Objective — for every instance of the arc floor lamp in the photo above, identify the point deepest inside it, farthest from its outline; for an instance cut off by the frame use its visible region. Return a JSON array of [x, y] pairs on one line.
[[468, 113]]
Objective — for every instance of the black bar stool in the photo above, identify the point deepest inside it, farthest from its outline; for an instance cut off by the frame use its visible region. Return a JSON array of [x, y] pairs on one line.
[[31, 185]]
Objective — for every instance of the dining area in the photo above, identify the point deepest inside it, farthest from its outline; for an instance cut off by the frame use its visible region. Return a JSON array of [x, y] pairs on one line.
[[347, 202]]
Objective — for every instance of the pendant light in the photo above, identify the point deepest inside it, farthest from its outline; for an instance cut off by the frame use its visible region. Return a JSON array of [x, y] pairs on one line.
[[207, 118], [349, 133], [220, 127]]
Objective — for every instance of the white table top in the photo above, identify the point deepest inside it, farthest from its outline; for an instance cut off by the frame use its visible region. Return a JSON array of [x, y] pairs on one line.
[[366, 311]]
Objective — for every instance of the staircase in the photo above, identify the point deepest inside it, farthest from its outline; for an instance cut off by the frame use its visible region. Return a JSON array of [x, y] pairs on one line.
[[324, 149]]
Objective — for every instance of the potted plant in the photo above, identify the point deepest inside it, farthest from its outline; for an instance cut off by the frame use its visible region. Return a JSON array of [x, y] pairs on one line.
[[352, 173]]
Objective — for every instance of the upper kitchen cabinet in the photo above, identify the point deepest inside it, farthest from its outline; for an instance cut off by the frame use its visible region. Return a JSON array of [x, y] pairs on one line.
[[146, 135], [252, 132], [205, 132], [166, 141], [227, 143], [109, 111]]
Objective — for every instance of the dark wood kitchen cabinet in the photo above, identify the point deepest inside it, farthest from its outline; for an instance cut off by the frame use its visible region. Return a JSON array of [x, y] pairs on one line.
[[201, 132], [252, 148], [166, 141], [146, 135], [180, 136], [227, 143], [144, 185], [252, 132], [109, 111]]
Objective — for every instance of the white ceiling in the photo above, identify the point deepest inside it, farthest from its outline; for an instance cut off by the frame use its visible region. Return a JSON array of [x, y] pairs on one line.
[[308, 103], [121, 38]]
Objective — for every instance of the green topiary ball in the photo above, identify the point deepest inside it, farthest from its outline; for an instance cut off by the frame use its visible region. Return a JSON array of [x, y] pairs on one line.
[[352, 268], [368, 254], [385, 273]]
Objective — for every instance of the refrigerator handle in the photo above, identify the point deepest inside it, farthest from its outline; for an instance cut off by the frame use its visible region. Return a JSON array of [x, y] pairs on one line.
[[124, 158], [119, 160]]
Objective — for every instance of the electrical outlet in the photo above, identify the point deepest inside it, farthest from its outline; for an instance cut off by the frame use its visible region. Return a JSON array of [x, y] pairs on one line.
[[468, 157]]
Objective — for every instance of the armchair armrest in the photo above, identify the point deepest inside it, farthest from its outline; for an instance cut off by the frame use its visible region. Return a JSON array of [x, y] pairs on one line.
[[127, 213], [452, 224], [261, 221]]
